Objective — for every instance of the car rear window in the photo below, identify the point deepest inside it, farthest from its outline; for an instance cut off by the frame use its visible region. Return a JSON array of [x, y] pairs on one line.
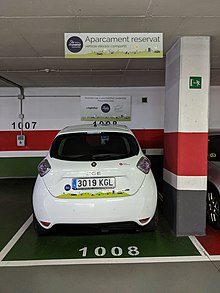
[[214, 148], [98, 146]]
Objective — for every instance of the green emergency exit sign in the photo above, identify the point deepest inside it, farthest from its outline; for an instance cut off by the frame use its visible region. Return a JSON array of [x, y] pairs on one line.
[[195, 82]]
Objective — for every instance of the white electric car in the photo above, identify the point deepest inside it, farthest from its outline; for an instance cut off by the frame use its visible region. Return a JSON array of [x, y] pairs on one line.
[[95, 175]]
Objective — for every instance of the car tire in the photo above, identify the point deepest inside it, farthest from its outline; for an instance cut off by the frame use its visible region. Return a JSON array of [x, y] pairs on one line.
[[151, 226], [38, 228], [213, 206]]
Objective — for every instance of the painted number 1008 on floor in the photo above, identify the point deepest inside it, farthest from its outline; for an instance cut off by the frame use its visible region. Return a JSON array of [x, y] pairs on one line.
[[115, 251]]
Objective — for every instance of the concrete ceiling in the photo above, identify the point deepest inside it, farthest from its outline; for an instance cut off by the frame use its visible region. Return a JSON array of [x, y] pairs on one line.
[[32, 39]]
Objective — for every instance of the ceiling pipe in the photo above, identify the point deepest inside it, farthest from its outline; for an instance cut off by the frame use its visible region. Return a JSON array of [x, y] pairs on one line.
[[47, 70], [12, 83]]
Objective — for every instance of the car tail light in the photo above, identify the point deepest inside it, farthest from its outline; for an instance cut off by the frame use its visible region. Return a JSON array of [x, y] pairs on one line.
[[144, 165], [144, 221], [43, 168], [46, 224]]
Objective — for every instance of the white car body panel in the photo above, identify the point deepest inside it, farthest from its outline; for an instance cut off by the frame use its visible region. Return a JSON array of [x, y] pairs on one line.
[[122, 170]]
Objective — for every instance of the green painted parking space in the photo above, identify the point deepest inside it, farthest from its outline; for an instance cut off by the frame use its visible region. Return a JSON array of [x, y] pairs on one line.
[[81, 244], [15, 206], [74, 242], [19, 167]]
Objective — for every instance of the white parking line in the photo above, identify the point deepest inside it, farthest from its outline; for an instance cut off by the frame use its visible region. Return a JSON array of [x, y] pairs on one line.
[[214, 257], [199, 246], [89, 261], [15, 238]]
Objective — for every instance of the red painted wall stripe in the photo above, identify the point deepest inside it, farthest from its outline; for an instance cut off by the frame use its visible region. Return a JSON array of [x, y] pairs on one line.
[[37, 140], [149, 138], [185, 154]]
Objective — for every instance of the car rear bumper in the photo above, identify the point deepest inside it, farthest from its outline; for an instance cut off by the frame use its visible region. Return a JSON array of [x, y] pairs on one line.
[[134, 208]]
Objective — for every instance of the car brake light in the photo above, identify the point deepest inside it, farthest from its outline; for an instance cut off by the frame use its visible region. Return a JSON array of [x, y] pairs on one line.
[[144, 165], [43, 168]]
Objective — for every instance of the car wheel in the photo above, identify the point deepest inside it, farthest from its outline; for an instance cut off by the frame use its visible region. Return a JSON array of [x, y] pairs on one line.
[[151, 226], [38, 228], [213, 207]]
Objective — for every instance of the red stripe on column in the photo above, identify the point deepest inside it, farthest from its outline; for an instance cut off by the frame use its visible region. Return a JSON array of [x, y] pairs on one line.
[[185, 154]]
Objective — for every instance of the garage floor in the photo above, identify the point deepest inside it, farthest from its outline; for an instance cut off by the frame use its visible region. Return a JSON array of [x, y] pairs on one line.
[[88, 260]]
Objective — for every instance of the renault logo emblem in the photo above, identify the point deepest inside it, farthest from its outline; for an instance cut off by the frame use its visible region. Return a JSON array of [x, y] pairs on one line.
[[93, 164]]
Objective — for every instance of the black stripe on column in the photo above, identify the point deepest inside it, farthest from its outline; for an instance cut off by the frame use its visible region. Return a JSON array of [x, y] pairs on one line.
[[185, 210]]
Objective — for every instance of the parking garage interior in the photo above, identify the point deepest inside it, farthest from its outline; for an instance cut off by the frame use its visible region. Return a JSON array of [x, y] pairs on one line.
[[174, 104]]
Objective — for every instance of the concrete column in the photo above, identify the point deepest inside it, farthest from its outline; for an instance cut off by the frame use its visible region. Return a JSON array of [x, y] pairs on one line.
[[186, 135]]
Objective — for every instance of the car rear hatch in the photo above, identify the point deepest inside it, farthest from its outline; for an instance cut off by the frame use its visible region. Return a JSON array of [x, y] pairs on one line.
[[94, 178], [94, 164]]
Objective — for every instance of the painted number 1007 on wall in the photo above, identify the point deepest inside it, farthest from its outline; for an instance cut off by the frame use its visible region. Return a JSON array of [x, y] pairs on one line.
[[101, 251], [26, 125]]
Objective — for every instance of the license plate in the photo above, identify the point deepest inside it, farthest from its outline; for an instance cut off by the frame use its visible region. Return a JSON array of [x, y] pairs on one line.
[[93, 183]]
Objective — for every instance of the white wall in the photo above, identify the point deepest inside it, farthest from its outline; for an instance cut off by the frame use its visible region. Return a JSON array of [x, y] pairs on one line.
[[54, 108]]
